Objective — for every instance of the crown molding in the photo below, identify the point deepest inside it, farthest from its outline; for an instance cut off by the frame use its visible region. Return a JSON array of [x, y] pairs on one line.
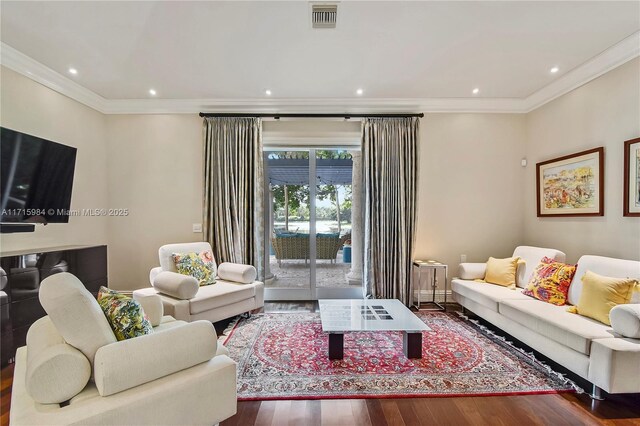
[[616, 55], [30, 68], [613, 57], [318, 105]]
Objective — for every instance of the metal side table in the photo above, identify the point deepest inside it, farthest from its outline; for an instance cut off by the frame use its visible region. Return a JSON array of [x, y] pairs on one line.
[[429, 268]]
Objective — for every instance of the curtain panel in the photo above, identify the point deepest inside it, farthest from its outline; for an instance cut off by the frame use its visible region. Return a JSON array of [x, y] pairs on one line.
[[390, 167], [233, 190]]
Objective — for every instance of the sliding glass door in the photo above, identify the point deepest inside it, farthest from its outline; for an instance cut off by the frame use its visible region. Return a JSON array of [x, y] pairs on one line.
[[312, 247]]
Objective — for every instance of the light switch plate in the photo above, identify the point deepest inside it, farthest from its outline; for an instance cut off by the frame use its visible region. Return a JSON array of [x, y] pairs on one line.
[[463, 258], [197, 227]]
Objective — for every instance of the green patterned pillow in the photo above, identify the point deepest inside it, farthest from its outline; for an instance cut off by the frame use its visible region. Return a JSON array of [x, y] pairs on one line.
[[125, 315], [199, 265]]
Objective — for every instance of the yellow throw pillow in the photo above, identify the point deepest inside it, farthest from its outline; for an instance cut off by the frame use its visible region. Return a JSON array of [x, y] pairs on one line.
[[502, 271], [600, 294]]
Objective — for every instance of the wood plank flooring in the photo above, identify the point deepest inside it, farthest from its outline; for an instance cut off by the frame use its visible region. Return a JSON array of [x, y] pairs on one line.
[[565, 409]]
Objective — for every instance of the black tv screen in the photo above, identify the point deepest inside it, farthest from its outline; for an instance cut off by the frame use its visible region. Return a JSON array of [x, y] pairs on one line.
[[36, 178]]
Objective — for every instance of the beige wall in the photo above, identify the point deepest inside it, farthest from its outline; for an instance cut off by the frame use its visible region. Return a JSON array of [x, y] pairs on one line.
[[604, 112], [155, 170], [29, 107], [470, 179]]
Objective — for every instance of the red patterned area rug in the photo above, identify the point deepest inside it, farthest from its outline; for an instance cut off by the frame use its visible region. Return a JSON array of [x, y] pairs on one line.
[[284, 356]]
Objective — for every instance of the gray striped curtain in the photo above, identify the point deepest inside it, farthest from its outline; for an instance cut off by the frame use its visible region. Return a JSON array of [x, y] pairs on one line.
[[390, 167], [233, 190]]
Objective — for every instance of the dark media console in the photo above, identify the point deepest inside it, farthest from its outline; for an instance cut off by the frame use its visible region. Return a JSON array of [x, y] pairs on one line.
[[20, 276], [11, 228]]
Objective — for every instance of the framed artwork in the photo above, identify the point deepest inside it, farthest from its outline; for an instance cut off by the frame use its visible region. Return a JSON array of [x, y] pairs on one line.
[[632, 178], [572, 185]]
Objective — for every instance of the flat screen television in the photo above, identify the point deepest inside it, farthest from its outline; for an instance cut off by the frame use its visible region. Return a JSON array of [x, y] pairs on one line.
[[36, 178]]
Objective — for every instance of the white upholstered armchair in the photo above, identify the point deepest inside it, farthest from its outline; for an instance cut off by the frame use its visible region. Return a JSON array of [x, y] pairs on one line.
[[178, 374], [235, 292]]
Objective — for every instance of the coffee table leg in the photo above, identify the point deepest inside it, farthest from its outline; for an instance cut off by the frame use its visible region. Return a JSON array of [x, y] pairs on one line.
[[412, 344], [336, 345]]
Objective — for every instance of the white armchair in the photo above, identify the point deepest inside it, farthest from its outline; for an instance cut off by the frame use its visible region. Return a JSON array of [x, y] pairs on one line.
[[179, 374], [235, 292]]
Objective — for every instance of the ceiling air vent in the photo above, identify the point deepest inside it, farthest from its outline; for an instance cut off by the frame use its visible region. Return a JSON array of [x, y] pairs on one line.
[[324, 15]]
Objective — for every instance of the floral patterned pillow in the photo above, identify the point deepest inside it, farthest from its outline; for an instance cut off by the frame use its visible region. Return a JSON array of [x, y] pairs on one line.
[[199, 265], [125, 315], [550, 281]]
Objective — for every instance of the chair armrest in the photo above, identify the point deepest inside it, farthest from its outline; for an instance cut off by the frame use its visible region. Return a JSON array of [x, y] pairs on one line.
[[245, 274], [176, 285], [133, 362], [472, 271], [153, 273], [152, 306]]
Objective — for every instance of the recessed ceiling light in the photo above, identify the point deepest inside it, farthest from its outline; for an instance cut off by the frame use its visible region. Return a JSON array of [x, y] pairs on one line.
[[73, 71], [554, 70], [267, 92], [359, 92], [476, 91], [152, 92]]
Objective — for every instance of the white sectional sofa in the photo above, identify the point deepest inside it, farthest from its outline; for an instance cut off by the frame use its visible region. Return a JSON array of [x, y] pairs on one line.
[[590, 349]]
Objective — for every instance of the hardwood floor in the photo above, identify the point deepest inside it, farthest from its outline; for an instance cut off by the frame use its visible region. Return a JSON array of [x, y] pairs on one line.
[[564, 409]]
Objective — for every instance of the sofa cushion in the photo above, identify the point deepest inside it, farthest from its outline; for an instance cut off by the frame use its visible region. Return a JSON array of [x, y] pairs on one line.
[[173, 284], [165, 253], [75, 313], [625, 320], [607, 266], [550, 281], [531, 257], [235, 272], [133, 362], [488, 295], [198, 265], [221, 294], [125, 315], [472, 271], [152, 306], [502, 271], [600, 294], [555, 323], [56, 371], [168, 323]]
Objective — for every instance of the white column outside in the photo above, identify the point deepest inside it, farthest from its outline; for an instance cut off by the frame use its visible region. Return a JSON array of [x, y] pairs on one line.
[[354, 276], [268, 276]]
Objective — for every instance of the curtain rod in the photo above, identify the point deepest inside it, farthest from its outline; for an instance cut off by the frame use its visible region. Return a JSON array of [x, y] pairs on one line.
[[288, 115]]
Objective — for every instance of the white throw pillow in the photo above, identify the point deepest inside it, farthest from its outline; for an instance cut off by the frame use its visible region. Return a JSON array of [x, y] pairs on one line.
[[625, 320], [235, 272]]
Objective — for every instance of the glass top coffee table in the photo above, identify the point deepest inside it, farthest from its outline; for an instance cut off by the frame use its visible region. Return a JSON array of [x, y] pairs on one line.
[[348, 315]]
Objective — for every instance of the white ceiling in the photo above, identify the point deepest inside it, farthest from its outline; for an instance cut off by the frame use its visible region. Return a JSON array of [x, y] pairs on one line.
[[392, 49]]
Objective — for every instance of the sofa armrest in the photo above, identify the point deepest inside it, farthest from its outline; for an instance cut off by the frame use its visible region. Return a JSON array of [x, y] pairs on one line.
[[152, 306], [472, 271], [615, 364], [625, 320], [236, 272], [176, 285], [133, 362], [153, 273]]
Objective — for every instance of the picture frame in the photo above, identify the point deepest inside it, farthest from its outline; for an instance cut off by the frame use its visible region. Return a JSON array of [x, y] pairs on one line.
[[572, 185], [631, 168]]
